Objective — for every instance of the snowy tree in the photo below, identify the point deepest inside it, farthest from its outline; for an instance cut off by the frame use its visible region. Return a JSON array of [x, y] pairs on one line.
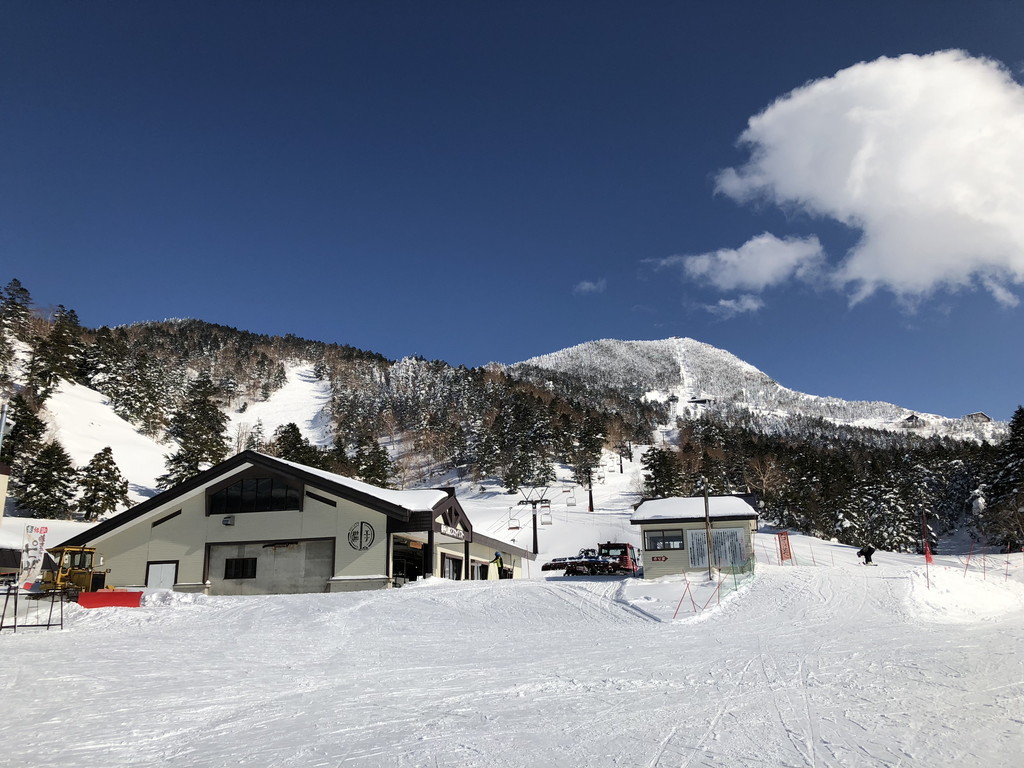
[[198, 426], [24, 441], [104, 488], [586, 442], [662, 475], [16, 309], [372, 463], [104, 359], [289, 443], [256, 439], [57, 356], [47, 487], [1003, 519]]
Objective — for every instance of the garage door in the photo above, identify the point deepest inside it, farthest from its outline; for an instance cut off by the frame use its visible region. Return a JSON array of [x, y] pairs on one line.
[[259, 568]]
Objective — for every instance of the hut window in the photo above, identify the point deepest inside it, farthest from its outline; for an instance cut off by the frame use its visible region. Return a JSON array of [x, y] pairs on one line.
[[663, 540]]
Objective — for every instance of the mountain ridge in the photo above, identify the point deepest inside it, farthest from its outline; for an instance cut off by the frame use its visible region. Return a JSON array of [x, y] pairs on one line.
[[704, 377]]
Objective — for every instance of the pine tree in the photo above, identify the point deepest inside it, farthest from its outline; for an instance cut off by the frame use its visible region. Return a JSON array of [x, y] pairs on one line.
[[47, 486], [104, 488], [290, 444], [104, 360], [585, 449], [372, 463], [22, 444], [16, 309], [256, 439], [57, 356], [662, 478], [1003, 519], [198, 426], [142, 393]]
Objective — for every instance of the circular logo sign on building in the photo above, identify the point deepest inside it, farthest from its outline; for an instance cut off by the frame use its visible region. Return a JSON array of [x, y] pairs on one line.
[[360, 536]]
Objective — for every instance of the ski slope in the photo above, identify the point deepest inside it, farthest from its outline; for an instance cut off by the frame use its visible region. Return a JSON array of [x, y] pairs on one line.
[[831, 664]]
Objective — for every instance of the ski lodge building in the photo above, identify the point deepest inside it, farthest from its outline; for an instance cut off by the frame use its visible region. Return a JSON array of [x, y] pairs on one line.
[[675, 533], [255, 524]]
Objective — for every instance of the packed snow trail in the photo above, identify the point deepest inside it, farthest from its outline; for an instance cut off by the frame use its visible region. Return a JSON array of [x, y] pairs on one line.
[[806, 667]]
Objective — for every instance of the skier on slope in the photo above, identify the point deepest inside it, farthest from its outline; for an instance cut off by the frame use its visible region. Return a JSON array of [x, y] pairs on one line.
[[866, 552]]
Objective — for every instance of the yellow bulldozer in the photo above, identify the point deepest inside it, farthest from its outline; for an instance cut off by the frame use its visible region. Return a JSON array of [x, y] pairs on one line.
[[74, 570]]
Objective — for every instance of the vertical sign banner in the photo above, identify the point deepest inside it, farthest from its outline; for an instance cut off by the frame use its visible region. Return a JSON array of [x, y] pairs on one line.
[[784, 551], [32, 554]]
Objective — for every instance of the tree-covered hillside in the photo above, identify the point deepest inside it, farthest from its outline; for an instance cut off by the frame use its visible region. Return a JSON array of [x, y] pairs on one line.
[[716, 423]]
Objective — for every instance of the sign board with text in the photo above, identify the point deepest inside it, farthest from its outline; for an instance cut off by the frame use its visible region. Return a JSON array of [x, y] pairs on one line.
[[785, 553]]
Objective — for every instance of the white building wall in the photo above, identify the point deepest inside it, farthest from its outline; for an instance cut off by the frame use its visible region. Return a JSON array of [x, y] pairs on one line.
[[184, 538]]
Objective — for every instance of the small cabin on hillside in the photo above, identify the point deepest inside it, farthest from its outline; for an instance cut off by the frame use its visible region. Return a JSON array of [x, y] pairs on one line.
[[978, 418], [674, 532], [256, 524], [913, 421]]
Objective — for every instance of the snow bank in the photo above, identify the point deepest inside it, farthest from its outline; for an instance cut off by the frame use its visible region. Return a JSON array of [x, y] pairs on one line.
[[948, 595]]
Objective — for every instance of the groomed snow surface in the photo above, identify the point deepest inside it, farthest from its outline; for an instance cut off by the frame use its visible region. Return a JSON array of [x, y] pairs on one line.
[[824, 663]]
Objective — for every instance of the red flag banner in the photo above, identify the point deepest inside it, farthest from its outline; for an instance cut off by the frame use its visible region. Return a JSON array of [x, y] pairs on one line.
[[784, 551], [928, 553]]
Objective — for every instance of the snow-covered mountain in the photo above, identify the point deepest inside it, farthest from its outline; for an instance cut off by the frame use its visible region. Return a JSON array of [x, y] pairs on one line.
[[694, 377]]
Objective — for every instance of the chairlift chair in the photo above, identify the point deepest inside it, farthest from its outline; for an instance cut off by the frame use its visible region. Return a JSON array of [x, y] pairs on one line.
[[571, 501], [513, 521], [545, 518]]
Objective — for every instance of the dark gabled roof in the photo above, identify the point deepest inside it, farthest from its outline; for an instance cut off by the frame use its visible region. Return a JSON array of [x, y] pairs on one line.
[[309, 476]]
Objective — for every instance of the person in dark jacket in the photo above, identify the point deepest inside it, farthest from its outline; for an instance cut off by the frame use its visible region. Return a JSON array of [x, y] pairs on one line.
[[866, 553]]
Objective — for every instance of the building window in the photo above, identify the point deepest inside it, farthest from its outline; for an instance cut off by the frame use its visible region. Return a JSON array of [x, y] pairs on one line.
[[663, 540], [240, 568], [257, 494], [451, 567]]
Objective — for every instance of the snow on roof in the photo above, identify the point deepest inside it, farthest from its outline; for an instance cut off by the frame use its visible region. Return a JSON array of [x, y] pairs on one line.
[[692, 508], [415, 501]]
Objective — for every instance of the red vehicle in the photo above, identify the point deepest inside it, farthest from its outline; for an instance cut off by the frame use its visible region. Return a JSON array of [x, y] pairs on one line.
[[609, 559]]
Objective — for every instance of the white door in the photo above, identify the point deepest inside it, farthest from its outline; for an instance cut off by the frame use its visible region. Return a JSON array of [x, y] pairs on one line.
[[161, 575]]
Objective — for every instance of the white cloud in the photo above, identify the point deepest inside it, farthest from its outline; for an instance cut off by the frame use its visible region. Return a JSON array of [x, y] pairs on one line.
[[726, 308], [923, 154], [759, 263], [588, 286]]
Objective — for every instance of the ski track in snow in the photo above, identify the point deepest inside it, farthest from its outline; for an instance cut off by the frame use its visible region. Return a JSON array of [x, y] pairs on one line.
[[826, 666]]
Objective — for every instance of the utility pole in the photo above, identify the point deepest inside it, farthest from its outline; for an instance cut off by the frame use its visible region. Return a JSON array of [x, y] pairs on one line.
[[536, 549], [707, 527], [3, 424], [533, 497]]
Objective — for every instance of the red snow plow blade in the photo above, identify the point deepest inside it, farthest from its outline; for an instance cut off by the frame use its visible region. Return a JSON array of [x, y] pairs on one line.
[[108, 598]]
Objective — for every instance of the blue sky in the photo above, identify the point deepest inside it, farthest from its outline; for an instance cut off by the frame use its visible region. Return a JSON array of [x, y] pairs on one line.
[[478, 181]]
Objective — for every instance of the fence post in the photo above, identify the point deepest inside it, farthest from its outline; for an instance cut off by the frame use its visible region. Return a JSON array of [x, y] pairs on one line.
[[968, 565], [681, 598]]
